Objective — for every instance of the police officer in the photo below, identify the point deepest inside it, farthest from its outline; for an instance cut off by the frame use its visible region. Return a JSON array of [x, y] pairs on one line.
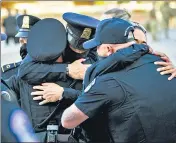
[[133, 104], [6, 134], [43, 48], [12, 113], [140, 35], [79, 28], [24, 22]]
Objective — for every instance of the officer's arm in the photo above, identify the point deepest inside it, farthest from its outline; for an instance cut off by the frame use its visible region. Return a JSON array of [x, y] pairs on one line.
[[72, 117], [92, 101], [71, 94], [35, 72], [13, 83]]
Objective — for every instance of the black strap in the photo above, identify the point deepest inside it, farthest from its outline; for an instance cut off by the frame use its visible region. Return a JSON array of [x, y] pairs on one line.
[[5, 84]]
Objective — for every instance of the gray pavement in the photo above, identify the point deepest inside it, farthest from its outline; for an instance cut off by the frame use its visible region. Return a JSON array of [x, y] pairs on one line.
[[10, 53]]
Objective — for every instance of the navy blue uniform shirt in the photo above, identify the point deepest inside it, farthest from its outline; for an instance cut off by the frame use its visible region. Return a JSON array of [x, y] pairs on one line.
[[7, 71], [135, 104]]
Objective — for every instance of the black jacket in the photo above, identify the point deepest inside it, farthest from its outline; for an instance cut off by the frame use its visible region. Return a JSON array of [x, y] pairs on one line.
[[9, 70], [45, 72]]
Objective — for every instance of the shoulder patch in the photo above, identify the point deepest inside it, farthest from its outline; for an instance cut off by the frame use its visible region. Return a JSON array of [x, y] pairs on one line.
[[90, 85]]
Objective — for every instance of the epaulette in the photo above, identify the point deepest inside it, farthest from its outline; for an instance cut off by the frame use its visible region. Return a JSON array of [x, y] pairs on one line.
[[10, 66]]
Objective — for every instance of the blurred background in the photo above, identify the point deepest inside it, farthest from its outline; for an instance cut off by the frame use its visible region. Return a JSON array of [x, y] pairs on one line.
[[154, 16]]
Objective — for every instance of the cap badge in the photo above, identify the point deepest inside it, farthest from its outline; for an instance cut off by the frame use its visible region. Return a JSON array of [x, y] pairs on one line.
[[86, 33], [25, 22]]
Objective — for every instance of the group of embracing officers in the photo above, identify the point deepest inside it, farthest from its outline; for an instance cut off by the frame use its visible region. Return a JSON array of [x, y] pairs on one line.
[[90, 81]]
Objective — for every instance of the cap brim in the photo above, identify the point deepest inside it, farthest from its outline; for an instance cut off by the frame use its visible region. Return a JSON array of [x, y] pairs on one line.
[[22, 34], [3, 37], [91, 44]]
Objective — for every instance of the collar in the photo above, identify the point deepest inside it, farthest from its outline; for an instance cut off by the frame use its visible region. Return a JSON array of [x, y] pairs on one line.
[[148, 58]]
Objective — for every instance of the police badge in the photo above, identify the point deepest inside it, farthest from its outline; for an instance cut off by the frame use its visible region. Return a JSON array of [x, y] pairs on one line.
[[25, 22], [86, 33]]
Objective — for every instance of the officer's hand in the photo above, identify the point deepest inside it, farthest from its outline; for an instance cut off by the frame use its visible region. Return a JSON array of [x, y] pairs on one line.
[[168, 68], [77, 70], [161, 55], [48, 92]]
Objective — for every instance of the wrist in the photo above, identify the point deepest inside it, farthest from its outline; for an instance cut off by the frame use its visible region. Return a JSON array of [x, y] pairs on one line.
[[67, 69], [61, 95], [62, 90]]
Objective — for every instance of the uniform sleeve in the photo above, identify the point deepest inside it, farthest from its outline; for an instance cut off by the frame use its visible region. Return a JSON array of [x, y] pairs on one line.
[[13, 83], [71, 94], [42, 72], [96, 97]]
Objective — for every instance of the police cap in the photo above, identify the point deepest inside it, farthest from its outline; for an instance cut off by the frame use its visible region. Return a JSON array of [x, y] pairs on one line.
[[25, 22], [80, 28], [46, 40], [111, 31]]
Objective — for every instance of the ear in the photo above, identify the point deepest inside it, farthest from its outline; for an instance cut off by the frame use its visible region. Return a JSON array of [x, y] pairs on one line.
[[110, 50]]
